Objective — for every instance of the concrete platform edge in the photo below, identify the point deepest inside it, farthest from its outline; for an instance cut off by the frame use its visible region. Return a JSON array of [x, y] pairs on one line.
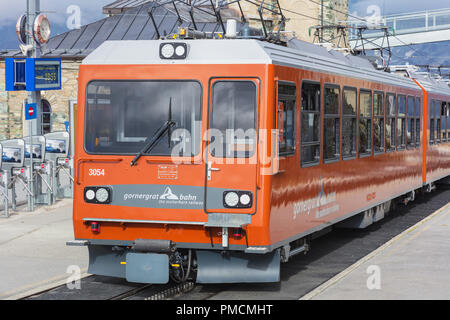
[[48, 285], [340, 276]]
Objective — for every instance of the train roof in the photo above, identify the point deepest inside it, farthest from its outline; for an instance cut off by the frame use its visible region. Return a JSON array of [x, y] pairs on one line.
[[298, 54], [430, 84]]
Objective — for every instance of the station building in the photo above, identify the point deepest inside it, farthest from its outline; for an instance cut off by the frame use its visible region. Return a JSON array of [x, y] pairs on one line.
[[129, 20]]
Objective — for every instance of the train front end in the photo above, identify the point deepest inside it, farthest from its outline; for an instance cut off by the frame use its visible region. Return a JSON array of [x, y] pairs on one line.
[[168, 177]]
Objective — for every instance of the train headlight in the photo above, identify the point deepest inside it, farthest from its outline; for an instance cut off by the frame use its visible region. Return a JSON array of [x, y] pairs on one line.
[[89, 194], [231, 199], [100, 195], [167, 51], [237, 199], [244, 199], [180, 51], [173, 50]]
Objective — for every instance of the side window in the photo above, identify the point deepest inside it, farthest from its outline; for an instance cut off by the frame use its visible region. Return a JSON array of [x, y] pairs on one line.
[[310, 126], [349, 123], [390, 122], [443, 122], [432, 121], [286, 106], [437, 115], [410, 123], [233, 114], [378, 122], [401, 122], [418, 116], [448, 121], [365, 122], [331, 123]]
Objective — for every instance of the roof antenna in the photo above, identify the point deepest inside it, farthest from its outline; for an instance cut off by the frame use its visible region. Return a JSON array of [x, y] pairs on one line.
[[150, 13], [282, 21], [179, 20], [243, 20], [218, 16], [191, 13], [262, 18]]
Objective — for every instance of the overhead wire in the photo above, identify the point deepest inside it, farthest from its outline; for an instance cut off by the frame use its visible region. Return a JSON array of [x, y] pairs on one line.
[[364, 20], [283, 9]]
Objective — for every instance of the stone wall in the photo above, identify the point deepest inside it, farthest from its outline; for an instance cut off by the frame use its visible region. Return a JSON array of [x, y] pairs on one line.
[[11, 114], [300, 24]]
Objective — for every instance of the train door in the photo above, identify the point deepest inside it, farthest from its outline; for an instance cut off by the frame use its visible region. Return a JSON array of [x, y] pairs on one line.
[[231, 153]]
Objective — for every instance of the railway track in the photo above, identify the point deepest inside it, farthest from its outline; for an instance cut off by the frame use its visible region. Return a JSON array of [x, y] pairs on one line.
[[329, 255], [107, 288]]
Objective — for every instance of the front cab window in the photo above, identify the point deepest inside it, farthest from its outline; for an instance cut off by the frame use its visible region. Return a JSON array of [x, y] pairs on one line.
[[122, 116]]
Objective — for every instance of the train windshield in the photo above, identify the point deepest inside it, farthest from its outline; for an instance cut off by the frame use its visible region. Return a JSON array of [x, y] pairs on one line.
[[122, 115]]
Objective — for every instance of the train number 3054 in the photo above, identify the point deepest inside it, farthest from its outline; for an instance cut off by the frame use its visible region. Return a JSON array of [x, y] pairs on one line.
[[96, 172]]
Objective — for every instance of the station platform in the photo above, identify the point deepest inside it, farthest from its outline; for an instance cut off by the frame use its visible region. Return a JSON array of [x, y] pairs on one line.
[[33, 251], [415, 265]]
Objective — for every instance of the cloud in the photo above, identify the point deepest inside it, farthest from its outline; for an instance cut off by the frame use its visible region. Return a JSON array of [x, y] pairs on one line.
[[56, 10]]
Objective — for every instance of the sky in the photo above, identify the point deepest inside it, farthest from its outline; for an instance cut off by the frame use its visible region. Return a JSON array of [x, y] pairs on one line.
[[395, 6]]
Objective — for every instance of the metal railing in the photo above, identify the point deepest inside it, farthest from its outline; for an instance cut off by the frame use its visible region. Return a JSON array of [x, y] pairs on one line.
[[430, 20]]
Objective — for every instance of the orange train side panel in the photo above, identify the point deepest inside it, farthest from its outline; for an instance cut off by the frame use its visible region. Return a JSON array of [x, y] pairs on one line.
[[438, 152], [305, 199], [436, 157]]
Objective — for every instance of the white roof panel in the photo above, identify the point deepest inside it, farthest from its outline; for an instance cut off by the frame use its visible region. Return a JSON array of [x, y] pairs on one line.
[[199, 52], [246, 51], [432, 85]]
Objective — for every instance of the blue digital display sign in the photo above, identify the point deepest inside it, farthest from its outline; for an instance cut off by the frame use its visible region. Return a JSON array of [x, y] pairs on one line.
[[46, 75], [33, 74]]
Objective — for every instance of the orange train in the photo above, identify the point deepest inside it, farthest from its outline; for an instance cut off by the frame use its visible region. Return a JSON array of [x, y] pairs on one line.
[[216, 160]]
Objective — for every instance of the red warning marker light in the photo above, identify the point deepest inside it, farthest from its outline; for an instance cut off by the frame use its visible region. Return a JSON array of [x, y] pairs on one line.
[[237, 233], [95, 227]]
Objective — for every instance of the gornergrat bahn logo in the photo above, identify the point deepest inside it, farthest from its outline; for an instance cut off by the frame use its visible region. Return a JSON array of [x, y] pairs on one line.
[[168, 194], [323, 204], [171, 195]]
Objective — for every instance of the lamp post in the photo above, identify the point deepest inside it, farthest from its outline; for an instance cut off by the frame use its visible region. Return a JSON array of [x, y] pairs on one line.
[[33, 9]]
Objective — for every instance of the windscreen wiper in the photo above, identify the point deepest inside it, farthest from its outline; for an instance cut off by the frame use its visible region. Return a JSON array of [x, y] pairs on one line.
[[166, 127]]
